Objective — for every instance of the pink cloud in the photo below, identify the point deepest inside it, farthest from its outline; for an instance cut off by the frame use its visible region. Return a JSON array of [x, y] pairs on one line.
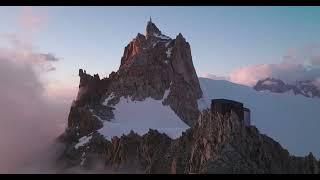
[[18, 49], [31, 114], [297, 65], [249, 75], [30, 19], [29, 121]]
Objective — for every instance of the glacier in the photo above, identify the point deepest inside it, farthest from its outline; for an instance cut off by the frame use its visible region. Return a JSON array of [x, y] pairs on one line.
[[292, 120]]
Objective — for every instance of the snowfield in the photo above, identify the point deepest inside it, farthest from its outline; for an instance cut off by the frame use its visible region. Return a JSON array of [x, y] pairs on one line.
[[140, 116], [292, 120]]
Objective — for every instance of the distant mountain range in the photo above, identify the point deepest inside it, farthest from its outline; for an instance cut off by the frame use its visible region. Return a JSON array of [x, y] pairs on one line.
[[306, 88]]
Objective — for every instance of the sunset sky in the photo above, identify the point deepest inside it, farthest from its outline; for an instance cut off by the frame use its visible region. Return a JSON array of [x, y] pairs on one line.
[[222, 38]]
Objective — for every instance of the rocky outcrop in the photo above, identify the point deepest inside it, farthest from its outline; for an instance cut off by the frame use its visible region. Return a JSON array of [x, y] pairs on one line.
[[182, 63], [272, 84], [91, 88], [215, 144], [305, 88]]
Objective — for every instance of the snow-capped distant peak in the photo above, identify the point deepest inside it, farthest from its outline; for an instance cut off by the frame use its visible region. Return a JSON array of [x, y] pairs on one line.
[[305, 88], [268, 83]]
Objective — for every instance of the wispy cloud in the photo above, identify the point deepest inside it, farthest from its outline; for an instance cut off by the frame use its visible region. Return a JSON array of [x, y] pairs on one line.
[[16, 49], [49, 57]]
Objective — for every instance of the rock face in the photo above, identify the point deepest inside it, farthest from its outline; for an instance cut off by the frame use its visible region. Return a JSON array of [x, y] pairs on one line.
[[155, 62], [305, 88], [215, 144]]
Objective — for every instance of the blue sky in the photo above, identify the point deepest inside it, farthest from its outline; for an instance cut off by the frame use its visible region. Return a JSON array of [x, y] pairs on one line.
[[221, 38]]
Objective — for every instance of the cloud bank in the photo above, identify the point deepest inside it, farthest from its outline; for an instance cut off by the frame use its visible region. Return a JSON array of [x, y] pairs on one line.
[[29, 121], [30, 117], [297, 65]]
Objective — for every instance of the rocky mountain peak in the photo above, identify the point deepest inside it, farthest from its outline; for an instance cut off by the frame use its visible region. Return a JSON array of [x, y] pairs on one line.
[[155, 63], [272, 84], [151, 65], [305, 88], [180, 38], [152, 29]]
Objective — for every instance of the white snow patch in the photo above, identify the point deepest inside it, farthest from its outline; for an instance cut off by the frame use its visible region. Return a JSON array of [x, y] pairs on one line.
[[168, 52], [140, 116], [167, 44], [291, 120], [111, 96], [82, 141], [166, 61], [82, 162], [166, 93], [154, 44], [83, 158], [268, 83], [161, 36], [99, 118]]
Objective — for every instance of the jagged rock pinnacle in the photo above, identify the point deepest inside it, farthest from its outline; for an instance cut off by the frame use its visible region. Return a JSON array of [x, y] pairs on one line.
[[151, 29]]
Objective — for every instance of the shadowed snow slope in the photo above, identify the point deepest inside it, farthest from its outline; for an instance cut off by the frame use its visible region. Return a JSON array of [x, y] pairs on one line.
[[291, 120]]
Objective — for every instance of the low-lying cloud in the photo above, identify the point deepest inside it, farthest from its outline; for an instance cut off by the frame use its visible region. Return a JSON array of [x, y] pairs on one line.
[[30, 121], [33, 112]]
